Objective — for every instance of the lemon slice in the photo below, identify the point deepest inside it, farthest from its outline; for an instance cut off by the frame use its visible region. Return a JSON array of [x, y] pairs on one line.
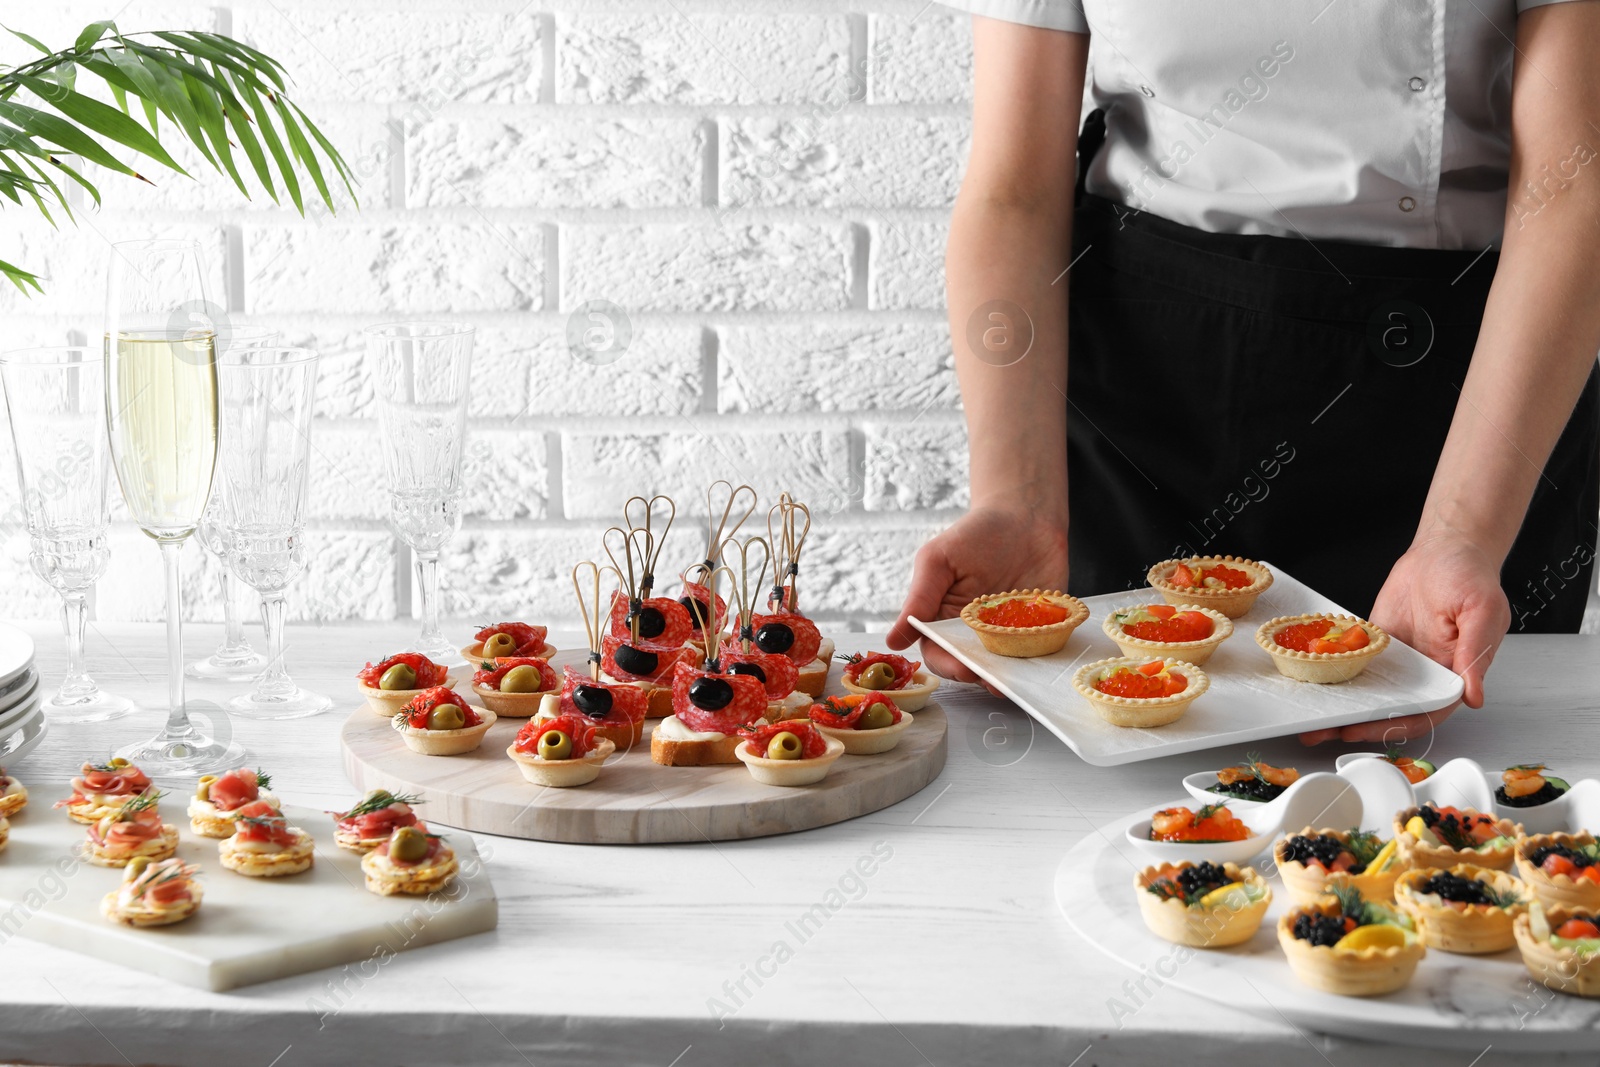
[[1374, 935], [1419, 830], [1221, 895], [1383, 859]]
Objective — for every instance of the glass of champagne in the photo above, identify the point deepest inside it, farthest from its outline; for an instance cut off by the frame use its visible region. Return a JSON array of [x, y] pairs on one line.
[[234, 660], [263, 456], [419, 372], [161, 411], [56, 401]]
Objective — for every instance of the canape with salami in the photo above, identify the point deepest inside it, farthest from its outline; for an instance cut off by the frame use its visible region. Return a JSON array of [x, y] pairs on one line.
[[866, 724], [101, 789], [264, 845], [218, 798], [563, 750], [154, 893], [392, 683], [513, 686], [789, 753], [437, 722], [133, 830], [505, 640], [902, 680]]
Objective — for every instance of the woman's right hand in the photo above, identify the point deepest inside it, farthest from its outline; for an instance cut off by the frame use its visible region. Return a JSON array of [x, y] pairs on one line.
[[987, 550]]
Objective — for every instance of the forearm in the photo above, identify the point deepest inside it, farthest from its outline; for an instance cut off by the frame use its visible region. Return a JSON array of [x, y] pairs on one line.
[[1541, 327]]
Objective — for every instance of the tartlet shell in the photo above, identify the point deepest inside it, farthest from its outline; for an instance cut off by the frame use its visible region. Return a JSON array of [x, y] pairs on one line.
[[1195, 652], [386, 702], [1307, 885], [1189, 924], [1555, 968], [444, 742], [473, 653], [1026, 642], [1370, 972], [1233, 603], [869, 742], [1473, 930], [913, 697], [563, 773], [1141, 713], [1321, 668], [1561, 890], [790, 772], [1420, 855], [511, 705]]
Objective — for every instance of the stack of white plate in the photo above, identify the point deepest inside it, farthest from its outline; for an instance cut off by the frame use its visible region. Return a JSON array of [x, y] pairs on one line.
[[22, 719]]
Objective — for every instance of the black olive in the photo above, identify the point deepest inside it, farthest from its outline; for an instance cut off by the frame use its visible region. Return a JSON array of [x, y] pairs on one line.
[[710, 694], [593, 700], [636, 660], [697, 609], [775, 637], [752, 669], [651, 622]]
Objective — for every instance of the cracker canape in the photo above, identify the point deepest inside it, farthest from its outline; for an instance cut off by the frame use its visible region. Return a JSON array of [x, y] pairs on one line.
[[1203, 905], [1226, 584], [1254, 780], [1353, 947], [131, 831], [1136, 694], [1561, 869], [13, 795], [1188, 633], [512, 687], [101, 789], [509, 640], [1323, 649], [562, 751], [793, 752], [1024, 623], [1561, 948], [1466, 909], [866, 724], [218, 798], [264, 845], [785, 630], [412, 862], [1314, 863], [369, 824], [437, 723], [392, 683], [154, 893], [1212, 824], [900, 679], [646, 636], [1431, 836], [1527, 786]]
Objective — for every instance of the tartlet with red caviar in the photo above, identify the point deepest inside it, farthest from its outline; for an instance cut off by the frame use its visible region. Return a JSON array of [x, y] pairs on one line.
[[1137, 693], [1183, 632], [1321, 648], [1023, 623], [1222, 583]]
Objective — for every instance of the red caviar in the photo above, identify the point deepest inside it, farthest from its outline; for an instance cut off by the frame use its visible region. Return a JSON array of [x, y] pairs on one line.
[[1170, 624], [1020, 612], [1142, 683], [1322, 636], [1230, 577]]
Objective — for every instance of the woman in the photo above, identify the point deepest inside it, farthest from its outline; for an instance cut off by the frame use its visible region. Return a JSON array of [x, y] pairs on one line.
[[1306, 321]]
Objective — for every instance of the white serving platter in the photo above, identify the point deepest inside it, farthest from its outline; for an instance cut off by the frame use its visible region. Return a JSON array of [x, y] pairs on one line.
[[1462, 1002], [16, 653], [247, 930], [1248, 699]]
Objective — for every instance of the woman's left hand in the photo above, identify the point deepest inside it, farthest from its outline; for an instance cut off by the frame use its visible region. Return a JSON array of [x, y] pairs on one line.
[[1443, 598]]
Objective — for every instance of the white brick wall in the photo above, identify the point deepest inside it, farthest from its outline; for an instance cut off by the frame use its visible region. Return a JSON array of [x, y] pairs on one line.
[[762, 186]]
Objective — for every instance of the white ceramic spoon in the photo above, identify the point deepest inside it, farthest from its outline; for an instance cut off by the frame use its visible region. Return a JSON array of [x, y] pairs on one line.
[[1460, 783], [1316, 800], [1575, 810]]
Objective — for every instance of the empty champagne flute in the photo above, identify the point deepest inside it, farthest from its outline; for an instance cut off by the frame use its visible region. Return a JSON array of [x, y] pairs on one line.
[[263, 456], [56, 401], [161, 411], [234, 660], [420, 373]]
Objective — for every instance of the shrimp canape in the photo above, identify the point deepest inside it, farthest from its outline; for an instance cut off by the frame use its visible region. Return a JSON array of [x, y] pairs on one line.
[[1254, 780], [1527, 786]]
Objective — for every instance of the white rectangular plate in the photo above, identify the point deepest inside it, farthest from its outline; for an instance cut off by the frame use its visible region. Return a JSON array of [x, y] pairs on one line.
[[1248, 698]]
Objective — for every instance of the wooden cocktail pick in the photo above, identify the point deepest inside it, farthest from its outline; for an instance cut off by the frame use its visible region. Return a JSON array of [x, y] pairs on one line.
[[717, 528], [593, 622], [788, 540]]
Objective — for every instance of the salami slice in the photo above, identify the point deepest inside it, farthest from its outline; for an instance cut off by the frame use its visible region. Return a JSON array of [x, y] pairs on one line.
[[787, 634], [422, 705], [781, 673], [812, 741], [490, 679], [429, 673], [739, 699], [904, 669], [529, 639], [701, 596], [647, 661], [577, 727], [842, 713], [663, 621], [626, 701]]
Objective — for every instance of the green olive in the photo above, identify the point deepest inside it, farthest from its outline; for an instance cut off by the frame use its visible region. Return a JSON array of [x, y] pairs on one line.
[[499, 645], [400, 676], [784, 746], [876, 718], [408, 844], [876, 676], [446, 717], [134, 867], [555, 744], [523, 678], [117, 764], [202, 789]]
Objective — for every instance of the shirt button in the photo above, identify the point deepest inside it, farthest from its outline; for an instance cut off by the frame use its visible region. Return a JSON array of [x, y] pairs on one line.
[[1146, 90], [1416, 84], [1407, 203]]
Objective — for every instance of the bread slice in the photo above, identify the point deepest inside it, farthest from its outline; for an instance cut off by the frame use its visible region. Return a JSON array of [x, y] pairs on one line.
[[694, 752], [814, 675]]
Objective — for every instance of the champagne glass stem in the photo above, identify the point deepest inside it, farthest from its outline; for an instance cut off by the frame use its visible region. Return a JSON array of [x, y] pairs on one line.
[[77, 685], [232, 625], [428, 585], [177, 715], [274, 680]]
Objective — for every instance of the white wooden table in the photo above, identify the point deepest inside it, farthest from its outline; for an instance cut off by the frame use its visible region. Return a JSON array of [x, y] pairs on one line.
[[774, 950]]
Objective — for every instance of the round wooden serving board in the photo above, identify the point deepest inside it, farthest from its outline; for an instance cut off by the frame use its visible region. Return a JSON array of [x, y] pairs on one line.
[[634, 801]]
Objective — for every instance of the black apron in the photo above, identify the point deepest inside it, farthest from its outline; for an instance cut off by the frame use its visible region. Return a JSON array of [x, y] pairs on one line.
[[1285, 400]]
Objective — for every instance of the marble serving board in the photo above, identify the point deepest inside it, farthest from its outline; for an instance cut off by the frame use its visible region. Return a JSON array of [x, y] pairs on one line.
[[1248, 699], [634, 801], [247, 930], [1463, 1002]]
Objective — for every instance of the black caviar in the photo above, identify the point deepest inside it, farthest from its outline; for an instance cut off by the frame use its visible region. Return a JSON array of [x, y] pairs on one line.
[[1250, 789], [1325, 850], [1579, 858], [1454, 887], [1548, 792], [1319, 929]]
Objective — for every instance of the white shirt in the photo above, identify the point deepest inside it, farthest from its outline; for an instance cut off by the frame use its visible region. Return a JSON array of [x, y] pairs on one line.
[[1380, 121]]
